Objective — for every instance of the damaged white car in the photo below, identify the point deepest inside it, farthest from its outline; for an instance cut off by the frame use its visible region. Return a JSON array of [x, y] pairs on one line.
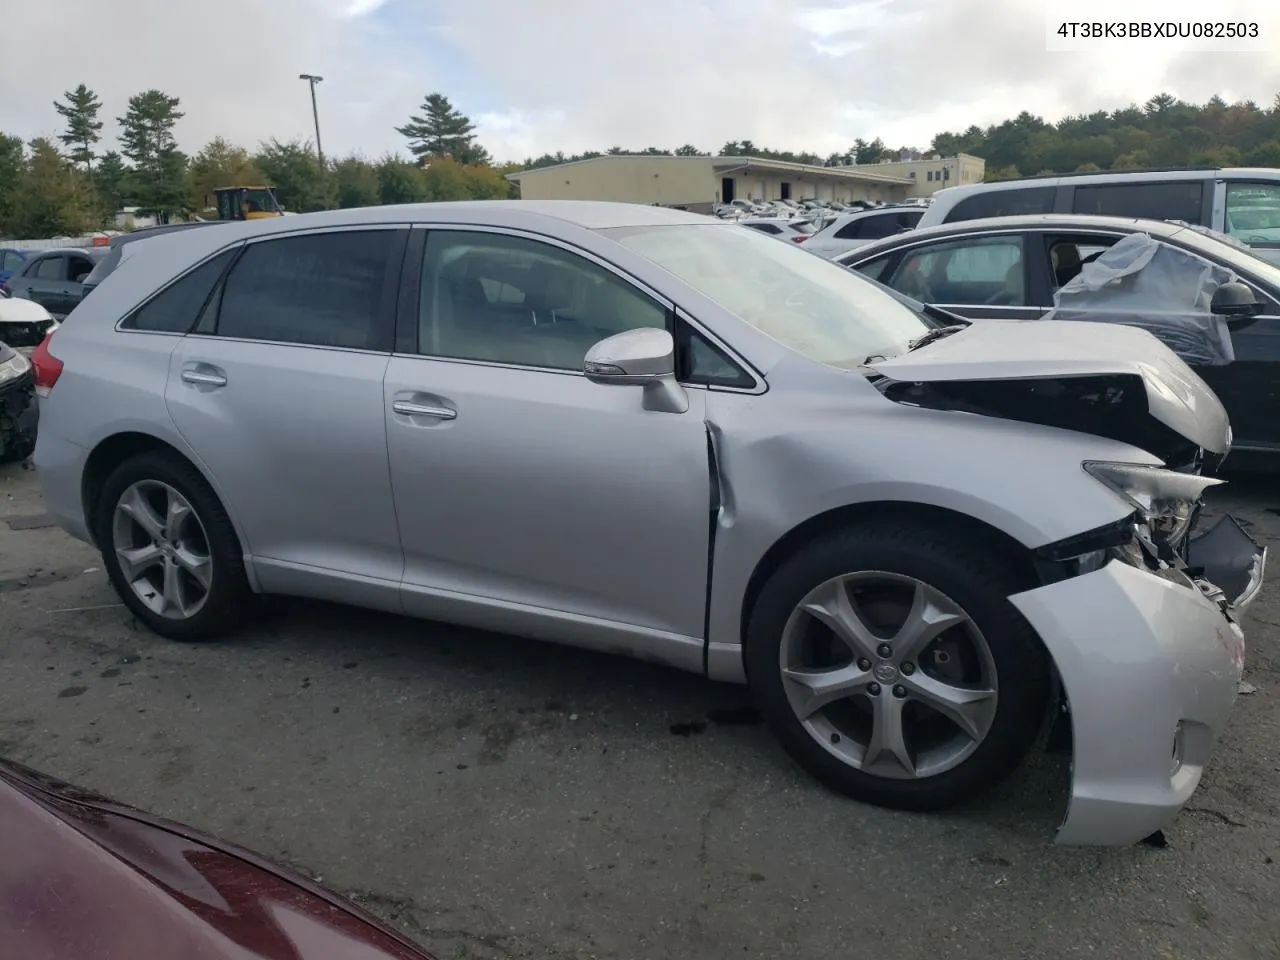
[[653, 433]]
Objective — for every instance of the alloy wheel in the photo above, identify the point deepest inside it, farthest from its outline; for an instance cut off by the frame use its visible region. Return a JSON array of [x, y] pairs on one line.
[[888, 674], [162, 549]]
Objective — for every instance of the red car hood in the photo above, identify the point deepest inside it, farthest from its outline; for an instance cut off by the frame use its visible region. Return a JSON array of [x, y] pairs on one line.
[[82, 878]]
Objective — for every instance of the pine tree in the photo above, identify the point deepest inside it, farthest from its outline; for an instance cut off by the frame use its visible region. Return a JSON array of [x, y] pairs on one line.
[[83, 126], [442, 131], [146, 136]]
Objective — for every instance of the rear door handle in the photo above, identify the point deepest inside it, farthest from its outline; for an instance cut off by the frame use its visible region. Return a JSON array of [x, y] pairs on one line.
[[407, 408], [202, 378]]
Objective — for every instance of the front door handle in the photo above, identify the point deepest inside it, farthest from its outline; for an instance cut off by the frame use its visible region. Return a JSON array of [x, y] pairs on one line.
[[202, 379], [407, 408]]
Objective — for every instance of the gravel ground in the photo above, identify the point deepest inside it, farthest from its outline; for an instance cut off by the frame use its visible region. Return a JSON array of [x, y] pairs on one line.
[[495, 797]]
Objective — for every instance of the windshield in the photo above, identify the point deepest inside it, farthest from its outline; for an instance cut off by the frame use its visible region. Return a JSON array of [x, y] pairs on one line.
[[259, 201], [815, 307], [1228, 254]]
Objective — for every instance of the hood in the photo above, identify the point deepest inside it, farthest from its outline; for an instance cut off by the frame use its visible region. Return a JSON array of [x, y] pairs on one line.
[[84, 878], [1107, 379]]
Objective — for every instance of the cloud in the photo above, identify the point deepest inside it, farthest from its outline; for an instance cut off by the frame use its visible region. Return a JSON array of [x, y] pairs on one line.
[[571, 75]]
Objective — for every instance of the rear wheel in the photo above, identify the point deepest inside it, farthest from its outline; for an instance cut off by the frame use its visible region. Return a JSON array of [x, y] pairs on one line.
[[891, 665], [170, 549]]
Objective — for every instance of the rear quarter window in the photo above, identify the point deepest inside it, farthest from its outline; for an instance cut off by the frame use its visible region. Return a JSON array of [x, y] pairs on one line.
[[175, 308], [1003, 203], [1170, 200]]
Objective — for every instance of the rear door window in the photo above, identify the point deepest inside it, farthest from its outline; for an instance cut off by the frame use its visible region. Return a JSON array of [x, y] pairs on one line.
[[1168, 200], [1003, 203], [318, 289], [79, 268]]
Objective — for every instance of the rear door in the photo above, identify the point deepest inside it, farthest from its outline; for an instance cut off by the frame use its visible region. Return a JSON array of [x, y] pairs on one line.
[[78, 269], [279, 392]]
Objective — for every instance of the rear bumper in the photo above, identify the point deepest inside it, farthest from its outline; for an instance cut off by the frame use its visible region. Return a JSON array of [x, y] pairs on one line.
[[60, 467], [1150, 666]]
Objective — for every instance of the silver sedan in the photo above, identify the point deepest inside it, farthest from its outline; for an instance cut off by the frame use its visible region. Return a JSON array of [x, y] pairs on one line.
[[658, 434]]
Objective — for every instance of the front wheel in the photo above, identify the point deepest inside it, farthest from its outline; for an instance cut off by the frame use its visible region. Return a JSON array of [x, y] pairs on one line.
[[891, 665], [170, 549]]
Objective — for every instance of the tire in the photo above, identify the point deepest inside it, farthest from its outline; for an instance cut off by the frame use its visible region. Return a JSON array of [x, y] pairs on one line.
[[211, 540], [921, 561]]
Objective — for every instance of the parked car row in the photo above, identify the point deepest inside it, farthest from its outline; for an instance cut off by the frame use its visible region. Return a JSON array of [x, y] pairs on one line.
[[827, 490]]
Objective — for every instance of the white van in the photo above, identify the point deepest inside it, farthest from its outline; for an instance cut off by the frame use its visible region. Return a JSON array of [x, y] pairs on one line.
[[1239, 201]]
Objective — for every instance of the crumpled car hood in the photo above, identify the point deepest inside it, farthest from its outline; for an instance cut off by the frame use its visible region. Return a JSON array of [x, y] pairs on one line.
[[1053, 350]]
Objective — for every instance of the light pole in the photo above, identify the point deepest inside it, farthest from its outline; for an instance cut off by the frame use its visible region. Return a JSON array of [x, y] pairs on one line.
[[312, 79]]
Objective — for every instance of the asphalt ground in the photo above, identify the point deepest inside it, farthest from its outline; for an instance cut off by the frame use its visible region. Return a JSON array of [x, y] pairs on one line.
[[496, 797]]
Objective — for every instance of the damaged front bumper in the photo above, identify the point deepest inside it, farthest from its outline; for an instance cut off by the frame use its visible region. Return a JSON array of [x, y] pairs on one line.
[[18, 417], [1150, 656]]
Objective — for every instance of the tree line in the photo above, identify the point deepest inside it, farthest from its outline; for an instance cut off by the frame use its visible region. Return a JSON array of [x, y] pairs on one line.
[[67, 186]]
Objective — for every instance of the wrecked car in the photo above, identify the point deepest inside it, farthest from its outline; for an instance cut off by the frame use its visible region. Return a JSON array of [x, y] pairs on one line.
[[653, 433], [1203, 294], [24, 323], [17, 405]]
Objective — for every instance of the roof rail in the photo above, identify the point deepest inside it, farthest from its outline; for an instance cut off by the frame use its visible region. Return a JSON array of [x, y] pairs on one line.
[[1096, 173]]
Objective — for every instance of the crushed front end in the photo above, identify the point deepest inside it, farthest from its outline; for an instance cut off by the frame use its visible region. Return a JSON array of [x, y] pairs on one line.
[[1142, 620], [18, 410]]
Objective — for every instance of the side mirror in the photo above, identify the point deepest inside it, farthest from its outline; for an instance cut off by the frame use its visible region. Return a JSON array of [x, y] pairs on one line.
[[1235, 299], [643, 357]]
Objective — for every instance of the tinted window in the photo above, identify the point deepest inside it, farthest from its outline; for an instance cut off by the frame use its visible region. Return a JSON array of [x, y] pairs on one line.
[[879, 225], [80, 267], [1178, 200], [984, 270], [48, 268], [487, 296], [765, 227], [175, 308], [324, 289], [1003, 203], [701, 361], [10, 261]]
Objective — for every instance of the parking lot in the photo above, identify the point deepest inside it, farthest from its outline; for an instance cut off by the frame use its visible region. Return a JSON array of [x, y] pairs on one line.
[[495, 797]]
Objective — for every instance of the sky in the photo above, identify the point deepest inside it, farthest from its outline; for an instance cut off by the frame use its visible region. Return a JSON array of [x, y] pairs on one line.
[[545, 75]]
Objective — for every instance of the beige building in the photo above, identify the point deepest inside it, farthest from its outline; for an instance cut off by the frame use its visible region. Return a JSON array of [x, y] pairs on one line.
[[929, 176], [698, 183]]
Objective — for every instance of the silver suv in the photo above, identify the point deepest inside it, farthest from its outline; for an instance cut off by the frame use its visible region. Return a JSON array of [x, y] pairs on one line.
[[662, 435]]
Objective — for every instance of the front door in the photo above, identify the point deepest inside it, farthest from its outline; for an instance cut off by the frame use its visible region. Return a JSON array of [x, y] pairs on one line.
[[46, 283], [279, 393], [523, 490]]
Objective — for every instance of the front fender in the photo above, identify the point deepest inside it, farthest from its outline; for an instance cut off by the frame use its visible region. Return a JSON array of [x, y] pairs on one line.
[[1022, 479]]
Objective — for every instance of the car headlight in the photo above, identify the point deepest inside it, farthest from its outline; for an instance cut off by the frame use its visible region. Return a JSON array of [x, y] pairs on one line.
[[14, 367], [1166, 499]]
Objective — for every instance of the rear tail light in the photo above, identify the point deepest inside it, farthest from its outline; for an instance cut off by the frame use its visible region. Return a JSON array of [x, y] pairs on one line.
[[800, 238], [47, 368]]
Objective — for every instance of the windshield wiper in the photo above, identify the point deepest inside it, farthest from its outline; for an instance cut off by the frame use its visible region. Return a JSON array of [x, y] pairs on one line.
[[933, 335]]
